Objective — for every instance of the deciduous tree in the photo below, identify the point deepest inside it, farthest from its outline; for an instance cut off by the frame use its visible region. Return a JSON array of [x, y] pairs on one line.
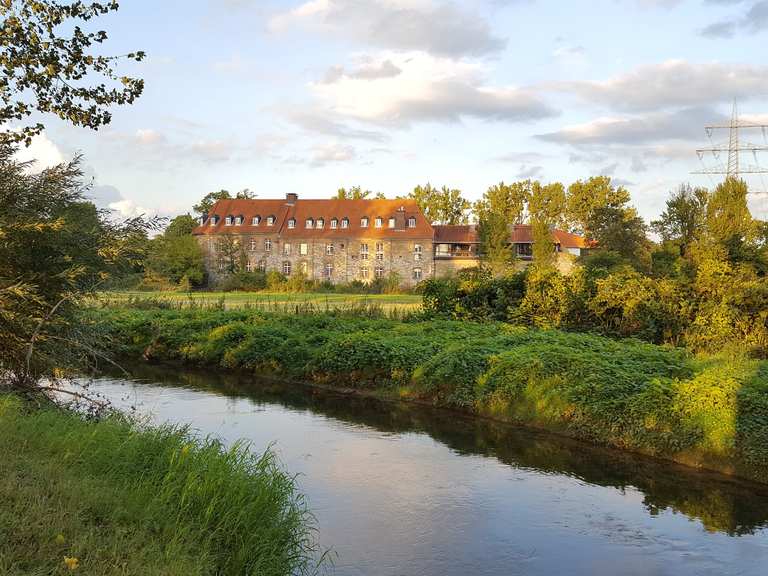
[[48, 65]]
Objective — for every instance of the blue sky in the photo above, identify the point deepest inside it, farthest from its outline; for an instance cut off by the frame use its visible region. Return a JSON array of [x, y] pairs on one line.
[[308, 96]]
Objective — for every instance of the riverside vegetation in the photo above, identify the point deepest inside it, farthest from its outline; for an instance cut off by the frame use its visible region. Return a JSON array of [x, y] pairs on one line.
[[703, 411], [115, 498]]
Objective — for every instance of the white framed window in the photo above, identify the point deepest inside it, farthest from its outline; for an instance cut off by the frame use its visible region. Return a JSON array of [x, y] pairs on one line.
[[364, 272], [379, 271], [214, 220], [364, 222], [329, 249], [249, 266], [287, 267], [292, 223], [238, 221], [378, 222], [262, 265], [418, 250], [228, 221], [303, 249], [320, 223], [267, 245], [309, 223], [221, 265], [379, 250], [363, 251], [412, 222], [252, 245], [256, 220], [286, 249], [304, 267], [270, 220], [417, 273], [345, 222], [334, 223], [391, 222], [328, 270]]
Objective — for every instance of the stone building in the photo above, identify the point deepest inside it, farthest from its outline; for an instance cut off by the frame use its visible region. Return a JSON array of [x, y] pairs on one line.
[[345, 240], [334, 240]]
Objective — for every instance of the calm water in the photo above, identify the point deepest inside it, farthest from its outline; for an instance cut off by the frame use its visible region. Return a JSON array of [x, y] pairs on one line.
[[400, 490]]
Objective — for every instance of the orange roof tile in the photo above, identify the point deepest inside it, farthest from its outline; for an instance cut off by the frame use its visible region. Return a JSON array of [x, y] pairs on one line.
[[521, 234], [301, 210]]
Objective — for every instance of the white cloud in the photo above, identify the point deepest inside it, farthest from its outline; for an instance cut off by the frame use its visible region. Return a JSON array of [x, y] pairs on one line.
[[332, 153], [672, 83], [443, 28], [427, 88], [42, 152], [687, 124], [148, 136], [129, 209]]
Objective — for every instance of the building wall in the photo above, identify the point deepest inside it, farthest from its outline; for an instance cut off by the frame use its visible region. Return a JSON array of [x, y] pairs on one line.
[[346, 257], [446, 267]]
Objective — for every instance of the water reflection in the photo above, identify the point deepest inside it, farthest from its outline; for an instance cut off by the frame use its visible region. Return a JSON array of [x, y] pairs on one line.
[[718, 503]]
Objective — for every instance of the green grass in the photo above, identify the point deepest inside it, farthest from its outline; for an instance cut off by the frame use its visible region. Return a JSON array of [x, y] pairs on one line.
[[703, 411], [128, 501], [308, 300]]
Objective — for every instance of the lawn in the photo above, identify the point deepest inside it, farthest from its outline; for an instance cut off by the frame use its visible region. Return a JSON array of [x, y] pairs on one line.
[[312, 300]]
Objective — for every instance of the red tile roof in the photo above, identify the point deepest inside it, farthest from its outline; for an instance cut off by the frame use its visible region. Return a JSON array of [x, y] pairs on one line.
[[301, 210], [521, 234]]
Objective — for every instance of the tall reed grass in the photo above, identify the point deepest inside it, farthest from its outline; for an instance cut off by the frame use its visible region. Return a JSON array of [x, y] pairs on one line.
[[137, 500]]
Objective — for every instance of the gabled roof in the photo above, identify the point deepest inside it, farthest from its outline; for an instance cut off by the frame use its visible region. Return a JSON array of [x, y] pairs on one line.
[[520, 234], [301, 210]]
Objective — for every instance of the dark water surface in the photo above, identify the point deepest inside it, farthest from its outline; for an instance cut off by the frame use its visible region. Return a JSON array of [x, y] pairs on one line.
[[405, 490]]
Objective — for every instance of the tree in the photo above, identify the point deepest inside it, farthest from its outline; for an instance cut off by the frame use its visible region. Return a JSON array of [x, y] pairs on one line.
[[684, 217], [47, 64], [55, 248], [354, 193], [729, 222], [622, 231], [495, 247], [508, 200], [231, 253], [585, 197], [546, 209], [176, 255], [205, 205], [443, 206]]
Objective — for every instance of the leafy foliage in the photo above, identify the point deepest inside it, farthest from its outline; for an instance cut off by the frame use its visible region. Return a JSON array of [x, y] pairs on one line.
[[46, 64]]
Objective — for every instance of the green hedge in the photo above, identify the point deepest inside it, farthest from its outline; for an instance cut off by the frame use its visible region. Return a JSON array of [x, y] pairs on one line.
[[705, 411]]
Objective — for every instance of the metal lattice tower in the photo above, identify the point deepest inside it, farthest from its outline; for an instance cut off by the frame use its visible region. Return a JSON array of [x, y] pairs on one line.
[[733, 167]]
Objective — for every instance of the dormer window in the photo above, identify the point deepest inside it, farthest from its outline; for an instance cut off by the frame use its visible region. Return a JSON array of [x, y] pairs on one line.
[[334, 223], [270, 220], [320, 223], [309, 223], [256, 220], [411, 222], [238, 220], [345, 222], [228, 221], [378, 222], [391, 222], [364, 222], [292, 223], [214, 220]]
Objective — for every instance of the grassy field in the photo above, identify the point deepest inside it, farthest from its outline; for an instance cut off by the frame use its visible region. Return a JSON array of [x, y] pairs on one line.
[[107, 498], [279, 300]]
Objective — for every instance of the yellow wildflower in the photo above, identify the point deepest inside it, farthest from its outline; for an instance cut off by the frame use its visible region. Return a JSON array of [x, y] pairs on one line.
[[60, 539], [72, 563], [185, 450]]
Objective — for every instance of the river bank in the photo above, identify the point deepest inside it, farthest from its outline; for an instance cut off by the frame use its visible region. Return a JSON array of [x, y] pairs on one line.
[[708, 413], [109, 497]]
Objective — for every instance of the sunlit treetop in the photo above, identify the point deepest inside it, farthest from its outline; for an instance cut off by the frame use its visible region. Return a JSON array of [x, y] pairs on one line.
[[47, 65]]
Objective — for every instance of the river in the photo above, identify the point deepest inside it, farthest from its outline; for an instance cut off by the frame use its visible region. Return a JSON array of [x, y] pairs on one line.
[[404, 490]]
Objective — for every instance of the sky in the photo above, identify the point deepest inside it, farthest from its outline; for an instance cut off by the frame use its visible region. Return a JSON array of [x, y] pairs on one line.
[[300, 96]]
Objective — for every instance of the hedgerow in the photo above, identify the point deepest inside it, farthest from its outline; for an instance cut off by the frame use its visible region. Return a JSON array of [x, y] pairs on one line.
[[708, 411]]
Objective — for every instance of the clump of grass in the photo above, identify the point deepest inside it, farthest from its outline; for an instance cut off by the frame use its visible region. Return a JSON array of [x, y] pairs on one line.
[[138, 500]]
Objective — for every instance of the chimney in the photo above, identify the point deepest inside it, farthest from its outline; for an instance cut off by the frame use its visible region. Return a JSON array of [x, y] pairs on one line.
[[290, 198]]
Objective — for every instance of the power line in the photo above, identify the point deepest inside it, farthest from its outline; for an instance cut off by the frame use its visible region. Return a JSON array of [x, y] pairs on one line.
[[734, 167]]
